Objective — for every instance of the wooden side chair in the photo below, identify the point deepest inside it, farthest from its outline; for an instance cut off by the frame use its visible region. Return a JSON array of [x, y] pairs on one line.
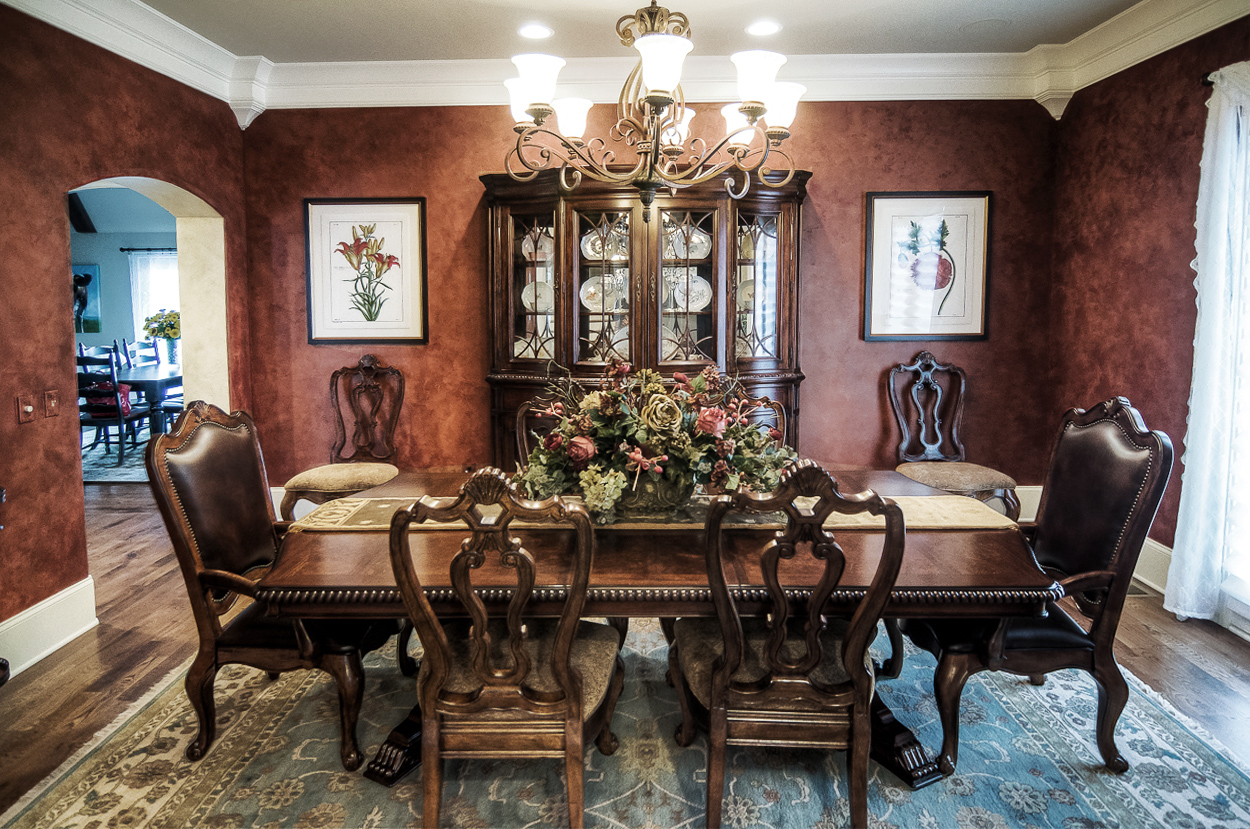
[[366, 398], [532, 425], [208, 476], [104, 404], [792, 677], [770, 413], [929, 418], [1106, 476], [496, 681]]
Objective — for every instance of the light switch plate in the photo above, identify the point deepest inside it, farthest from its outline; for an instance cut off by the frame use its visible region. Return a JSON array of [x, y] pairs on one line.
[[25, 408], [51, 403]]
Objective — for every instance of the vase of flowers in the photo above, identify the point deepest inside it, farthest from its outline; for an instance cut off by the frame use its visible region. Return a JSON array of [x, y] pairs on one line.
[[638, 447], [165, 325]]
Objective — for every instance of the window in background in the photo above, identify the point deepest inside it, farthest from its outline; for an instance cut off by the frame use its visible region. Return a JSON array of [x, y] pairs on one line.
[[153, 285]]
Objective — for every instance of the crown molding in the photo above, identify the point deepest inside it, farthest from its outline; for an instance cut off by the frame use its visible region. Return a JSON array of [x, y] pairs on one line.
[[1048, 74]]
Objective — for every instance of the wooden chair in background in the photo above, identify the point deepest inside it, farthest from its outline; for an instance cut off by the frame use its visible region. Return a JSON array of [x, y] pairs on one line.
[[208, 476], [927, 398], [496, 681], [1106, 476], [105, 404], [791, 677], [366, 399]]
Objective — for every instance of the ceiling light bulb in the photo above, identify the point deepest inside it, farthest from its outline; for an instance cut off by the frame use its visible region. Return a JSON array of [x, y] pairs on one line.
[[535, 31], [518, 100], [782, 101], [662, 57], [757, 70], [571, 113], [736, 125], [762, 28], [538, 75]]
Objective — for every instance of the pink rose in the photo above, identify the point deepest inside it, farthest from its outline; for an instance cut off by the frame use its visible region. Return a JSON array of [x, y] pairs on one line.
[[712, 421], [581, 449]]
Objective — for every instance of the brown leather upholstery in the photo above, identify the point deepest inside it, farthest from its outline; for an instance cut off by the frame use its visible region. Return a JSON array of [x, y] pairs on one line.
[[209, 480], [791, 677], [511, 684], [1103, 486]]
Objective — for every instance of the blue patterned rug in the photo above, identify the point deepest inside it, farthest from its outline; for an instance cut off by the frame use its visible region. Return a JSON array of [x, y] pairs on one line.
[[1027, 759], [99, 467]]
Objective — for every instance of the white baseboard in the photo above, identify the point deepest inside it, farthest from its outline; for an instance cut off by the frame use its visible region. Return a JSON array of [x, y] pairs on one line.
[[301, 509], [1030, 497], [57, 620]]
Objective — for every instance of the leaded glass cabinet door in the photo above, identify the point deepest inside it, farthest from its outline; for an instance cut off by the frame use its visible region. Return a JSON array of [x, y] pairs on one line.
[[603, 298], [756, 289], [534, 289], [688, 288]]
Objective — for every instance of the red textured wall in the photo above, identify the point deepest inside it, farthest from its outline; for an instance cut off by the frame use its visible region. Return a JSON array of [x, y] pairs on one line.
[[71, 113], [1126, 190], [851, 148]]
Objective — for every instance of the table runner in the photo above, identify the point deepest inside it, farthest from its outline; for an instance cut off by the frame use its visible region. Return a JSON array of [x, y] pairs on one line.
[[938, 512]]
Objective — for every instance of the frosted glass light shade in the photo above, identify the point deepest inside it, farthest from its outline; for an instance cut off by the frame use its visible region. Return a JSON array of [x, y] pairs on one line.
[[538, 76], [679, 130], [782, 101], [757, 70], [571, 114], [662, 57], [736, 122], [517, 100]]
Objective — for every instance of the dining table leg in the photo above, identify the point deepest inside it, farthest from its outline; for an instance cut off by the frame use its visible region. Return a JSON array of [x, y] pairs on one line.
[[895, 747], [400, 754]]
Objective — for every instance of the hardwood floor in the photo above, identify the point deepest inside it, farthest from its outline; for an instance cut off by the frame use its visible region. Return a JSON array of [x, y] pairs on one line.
[[51, 709]]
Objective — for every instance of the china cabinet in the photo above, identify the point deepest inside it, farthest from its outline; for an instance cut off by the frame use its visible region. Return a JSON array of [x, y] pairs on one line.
[[581, 277]]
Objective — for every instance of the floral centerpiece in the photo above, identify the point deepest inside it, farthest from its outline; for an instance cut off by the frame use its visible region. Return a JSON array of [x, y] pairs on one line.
[[166, 325], [635, 433]]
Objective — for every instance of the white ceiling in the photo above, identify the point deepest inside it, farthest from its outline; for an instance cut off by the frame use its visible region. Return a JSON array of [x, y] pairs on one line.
[[297, 31], [275, 54]]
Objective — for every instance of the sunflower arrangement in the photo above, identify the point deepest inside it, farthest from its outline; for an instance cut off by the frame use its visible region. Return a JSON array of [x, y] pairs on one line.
[[166, 325], [694, 431]]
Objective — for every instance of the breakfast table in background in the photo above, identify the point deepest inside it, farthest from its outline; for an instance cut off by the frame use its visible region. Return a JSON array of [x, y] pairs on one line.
[[335, 564], [155, 381]]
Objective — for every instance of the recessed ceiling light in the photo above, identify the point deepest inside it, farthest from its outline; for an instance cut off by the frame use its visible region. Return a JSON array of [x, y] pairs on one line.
[[536, 31], [764, 27]]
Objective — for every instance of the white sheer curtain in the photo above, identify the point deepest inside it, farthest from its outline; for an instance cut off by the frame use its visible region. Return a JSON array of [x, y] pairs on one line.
[[153, 285], [1212, 547]]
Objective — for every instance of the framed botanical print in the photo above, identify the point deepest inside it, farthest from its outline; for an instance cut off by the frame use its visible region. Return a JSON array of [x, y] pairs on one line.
[[927, 265], [366, 270]]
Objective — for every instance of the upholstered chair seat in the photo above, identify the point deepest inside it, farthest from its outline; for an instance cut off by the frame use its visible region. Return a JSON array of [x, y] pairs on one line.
[[958, 477], [700, 645], [337, 480], [594, 653]]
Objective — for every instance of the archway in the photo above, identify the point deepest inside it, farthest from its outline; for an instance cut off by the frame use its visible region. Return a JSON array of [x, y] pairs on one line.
[[201, 283]]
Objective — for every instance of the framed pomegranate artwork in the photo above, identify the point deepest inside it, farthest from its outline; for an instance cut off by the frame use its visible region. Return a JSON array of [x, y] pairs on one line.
[[926, 265]]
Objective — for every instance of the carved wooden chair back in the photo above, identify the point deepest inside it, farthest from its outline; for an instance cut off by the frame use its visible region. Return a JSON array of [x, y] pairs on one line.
[[496, 679], [1104, 481], [1106, 476], [770, 413], [790, 676], [367, 398], [208, 478], [927, 398]]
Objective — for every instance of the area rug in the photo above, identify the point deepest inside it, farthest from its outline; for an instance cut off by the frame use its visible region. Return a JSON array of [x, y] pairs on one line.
[[1027, 759], [101, 468]]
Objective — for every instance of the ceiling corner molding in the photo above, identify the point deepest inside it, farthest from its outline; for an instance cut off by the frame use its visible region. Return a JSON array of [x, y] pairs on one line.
[[141, 34], [1141, 32], [249, 88]]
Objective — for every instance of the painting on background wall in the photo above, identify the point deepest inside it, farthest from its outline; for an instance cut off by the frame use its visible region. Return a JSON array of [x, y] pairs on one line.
[[86, 298], [366, 270], [927, 266]]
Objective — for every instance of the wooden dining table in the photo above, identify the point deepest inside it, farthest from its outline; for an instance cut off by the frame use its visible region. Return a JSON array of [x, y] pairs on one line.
[[659, 570], [154, 380]]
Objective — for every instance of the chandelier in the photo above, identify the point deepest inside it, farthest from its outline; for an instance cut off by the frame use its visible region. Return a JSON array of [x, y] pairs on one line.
[[653, 119]]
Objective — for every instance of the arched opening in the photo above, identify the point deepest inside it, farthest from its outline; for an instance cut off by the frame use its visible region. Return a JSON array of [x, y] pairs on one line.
[[201, 246]]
